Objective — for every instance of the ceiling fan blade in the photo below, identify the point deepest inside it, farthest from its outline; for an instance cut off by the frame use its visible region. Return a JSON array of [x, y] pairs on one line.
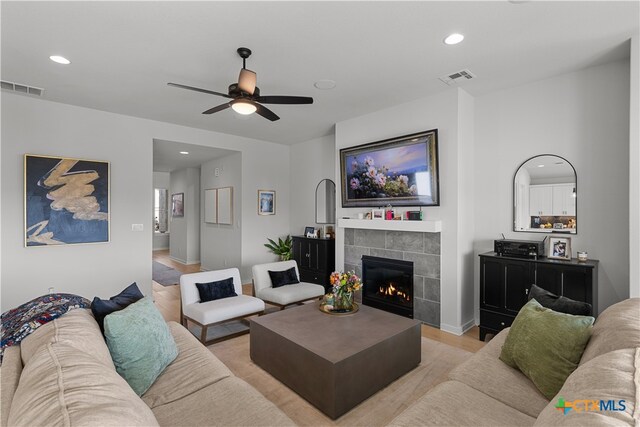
[[266, 113], [247, 81], [284, 99], [216, 109], [197, 89]]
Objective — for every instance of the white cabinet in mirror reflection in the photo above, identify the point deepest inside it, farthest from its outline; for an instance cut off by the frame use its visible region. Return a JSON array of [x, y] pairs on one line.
[[544, 196]]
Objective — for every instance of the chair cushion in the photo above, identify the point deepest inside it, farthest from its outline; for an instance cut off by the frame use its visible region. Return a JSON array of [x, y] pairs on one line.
[[455, 404], [290, 294], [140, 343], [194, 369], [62, 385], [223, 309], [546, 345], [228, 402], [487, 373], [216, 290], [285, 277], [559, 303], [101, 308], [616, 328], [613, 376]]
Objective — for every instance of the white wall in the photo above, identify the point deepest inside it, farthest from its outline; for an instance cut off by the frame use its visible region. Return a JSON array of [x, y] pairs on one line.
[[311, 162], [220, 244], [449, 112], [634, 168], [41, 127], [583, 117], [184, 239], [160, 180]]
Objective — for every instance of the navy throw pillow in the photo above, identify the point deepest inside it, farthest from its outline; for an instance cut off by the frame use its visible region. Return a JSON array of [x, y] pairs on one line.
[[559, 303], [216, 290], [286, 277], [101, 307]]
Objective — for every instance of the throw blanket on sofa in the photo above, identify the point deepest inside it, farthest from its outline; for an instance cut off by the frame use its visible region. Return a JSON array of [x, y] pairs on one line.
[[21, 321]]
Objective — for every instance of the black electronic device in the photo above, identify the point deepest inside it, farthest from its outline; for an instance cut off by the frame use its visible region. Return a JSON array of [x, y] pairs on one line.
[[519, 248]]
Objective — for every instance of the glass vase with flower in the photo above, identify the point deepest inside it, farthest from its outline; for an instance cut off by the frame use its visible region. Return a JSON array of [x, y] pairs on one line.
[[344, 286]]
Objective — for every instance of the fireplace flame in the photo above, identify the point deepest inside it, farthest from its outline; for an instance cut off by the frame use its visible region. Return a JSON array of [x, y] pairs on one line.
[[390, 290]]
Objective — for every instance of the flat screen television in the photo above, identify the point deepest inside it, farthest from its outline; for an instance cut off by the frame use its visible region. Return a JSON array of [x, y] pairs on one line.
[[401, 171]]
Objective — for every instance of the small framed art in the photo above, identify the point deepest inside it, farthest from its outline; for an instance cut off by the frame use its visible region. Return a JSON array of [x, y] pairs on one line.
[[377, 213], [559, 248], [177, 205], [266, 202]]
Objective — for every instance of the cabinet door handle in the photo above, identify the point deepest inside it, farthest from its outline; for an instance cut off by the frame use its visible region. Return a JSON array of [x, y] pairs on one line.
[[526, 291], [501, 323], [307, 255]]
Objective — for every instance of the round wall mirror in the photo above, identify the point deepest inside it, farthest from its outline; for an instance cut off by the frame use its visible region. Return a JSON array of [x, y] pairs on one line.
[[545, 196], [326, 202]]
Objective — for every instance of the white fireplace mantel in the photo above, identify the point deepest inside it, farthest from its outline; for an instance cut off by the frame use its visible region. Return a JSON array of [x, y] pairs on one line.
[[428, 226]]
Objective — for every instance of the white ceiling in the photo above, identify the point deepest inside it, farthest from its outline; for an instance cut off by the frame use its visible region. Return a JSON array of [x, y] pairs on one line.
[[549, 166], [167, 157], [379, 53]]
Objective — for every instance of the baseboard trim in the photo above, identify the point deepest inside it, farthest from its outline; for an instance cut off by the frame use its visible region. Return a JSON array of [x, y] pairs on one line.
[[193, 262], [161, 249], [181, 261], [458, 330]]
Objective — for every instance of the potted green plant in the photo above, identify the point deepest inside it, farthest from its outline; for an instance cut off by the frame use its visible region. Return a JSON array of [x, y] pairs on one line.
[[283, 248]]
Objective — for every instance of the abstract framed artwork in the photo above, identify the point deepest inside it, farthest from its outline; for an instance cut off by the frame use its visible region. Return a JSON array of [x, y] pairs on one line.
[[66, 201], [401, 171], [266, 202], [177, 205]]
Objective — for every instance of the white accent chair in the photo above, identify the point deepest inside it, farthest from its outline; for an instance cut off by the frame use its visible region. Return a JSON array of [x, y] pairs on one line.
[[283, 295], [217, 311]]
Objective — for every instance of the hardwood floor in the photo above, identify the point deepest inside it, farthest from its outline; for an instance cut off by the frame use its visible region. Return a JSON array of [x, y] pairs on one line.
[[167, 299]]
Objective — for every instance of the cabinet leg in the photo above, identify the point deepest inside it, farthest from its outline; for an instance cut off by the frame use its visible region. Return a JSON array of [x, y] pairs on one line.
[[483, 334]]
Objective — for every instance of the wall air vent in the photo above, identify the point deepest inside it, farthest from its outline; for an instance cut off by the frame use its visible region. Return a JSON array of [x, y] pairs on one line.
[[20, 88], [457, 77]]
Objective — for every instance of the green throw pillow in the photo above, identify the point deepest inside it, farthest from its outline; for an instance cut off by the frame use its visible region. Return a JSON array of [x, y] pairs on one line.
[[546, 345], [140, 343]]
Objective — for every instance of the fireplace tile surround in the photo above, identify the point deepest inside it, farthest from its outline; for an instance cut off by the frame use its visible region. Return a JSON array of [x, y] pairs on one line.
[[423, 249]]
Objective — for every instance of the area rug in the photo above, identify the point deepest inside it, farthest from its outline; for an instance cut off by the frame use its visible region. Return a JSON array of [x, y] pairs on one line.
[[165, 275], [438, 360]]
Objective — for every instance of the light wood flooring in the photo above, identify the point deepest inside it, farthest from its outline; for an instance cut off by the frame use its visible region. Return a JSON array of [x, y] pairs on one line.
[[167, 299]]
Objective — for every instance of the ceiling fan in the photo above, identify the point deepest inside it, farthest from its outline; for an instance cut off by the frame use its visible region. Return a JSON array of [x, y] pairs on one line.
[[245, 95]]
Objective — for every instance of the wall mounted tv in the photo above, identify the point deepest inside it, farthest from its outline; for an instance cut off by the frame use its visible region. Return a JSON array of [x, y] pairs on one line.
[[401, 171]]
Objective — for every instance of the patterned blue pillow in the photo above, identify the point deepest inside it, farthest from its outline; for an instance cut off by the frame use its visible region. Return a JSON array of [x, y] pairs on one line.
[[140, 343]]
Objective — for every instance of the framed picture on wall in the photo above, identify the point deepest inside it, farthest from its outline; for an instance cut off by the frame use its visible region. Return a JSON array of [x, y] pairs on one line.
[[559, 248], [177, 205], [66, 201], [266, 202]]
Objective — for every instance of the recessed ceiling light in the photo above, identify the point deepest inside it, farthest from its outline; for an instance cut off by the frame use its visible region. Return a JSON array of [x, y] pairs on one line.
[[184, 152], [540, 166], [454, 38], [60, 59], [325, 84]]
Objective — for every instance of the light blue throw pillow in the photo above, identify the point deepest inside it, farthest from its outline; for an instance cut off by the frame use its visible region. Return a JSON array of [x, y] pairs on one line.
[[140, 343]]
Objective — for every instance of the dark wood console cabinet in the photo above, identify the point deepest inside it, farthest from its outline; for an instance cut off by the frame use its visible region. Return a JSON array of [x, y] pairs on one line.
[[505, 284], [315, 258]]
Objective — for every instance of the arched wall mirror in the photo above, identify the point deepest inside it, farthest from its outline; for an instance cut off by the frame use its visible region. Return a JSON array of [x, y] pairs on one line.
[[326, 202], [545, 196]]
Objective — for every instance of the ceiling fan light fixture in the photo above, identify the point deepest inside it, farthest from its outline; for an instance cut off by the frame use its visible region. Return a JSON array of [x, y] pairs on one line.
[[241, 106]]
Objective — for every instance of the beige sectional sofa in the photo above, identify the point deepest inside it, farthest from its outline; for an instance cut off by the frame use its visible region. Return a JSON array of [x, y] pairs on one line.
[[484, 391], [63, 374]]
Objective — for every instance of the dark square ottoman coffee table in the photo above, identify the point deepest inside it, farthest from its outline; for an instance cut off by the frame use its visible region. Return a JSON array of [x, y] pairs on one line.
[[335, 362]]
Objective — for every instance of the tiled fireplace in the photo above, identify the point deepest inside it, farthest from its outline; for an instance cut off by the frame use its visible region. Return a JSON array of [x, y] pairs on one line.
[[422, 249]]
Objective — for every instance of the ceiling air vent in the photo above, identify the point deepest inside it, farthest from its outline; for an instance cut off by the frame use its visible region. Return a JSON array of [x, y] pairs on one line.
[[457, 77], [20, 88]]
